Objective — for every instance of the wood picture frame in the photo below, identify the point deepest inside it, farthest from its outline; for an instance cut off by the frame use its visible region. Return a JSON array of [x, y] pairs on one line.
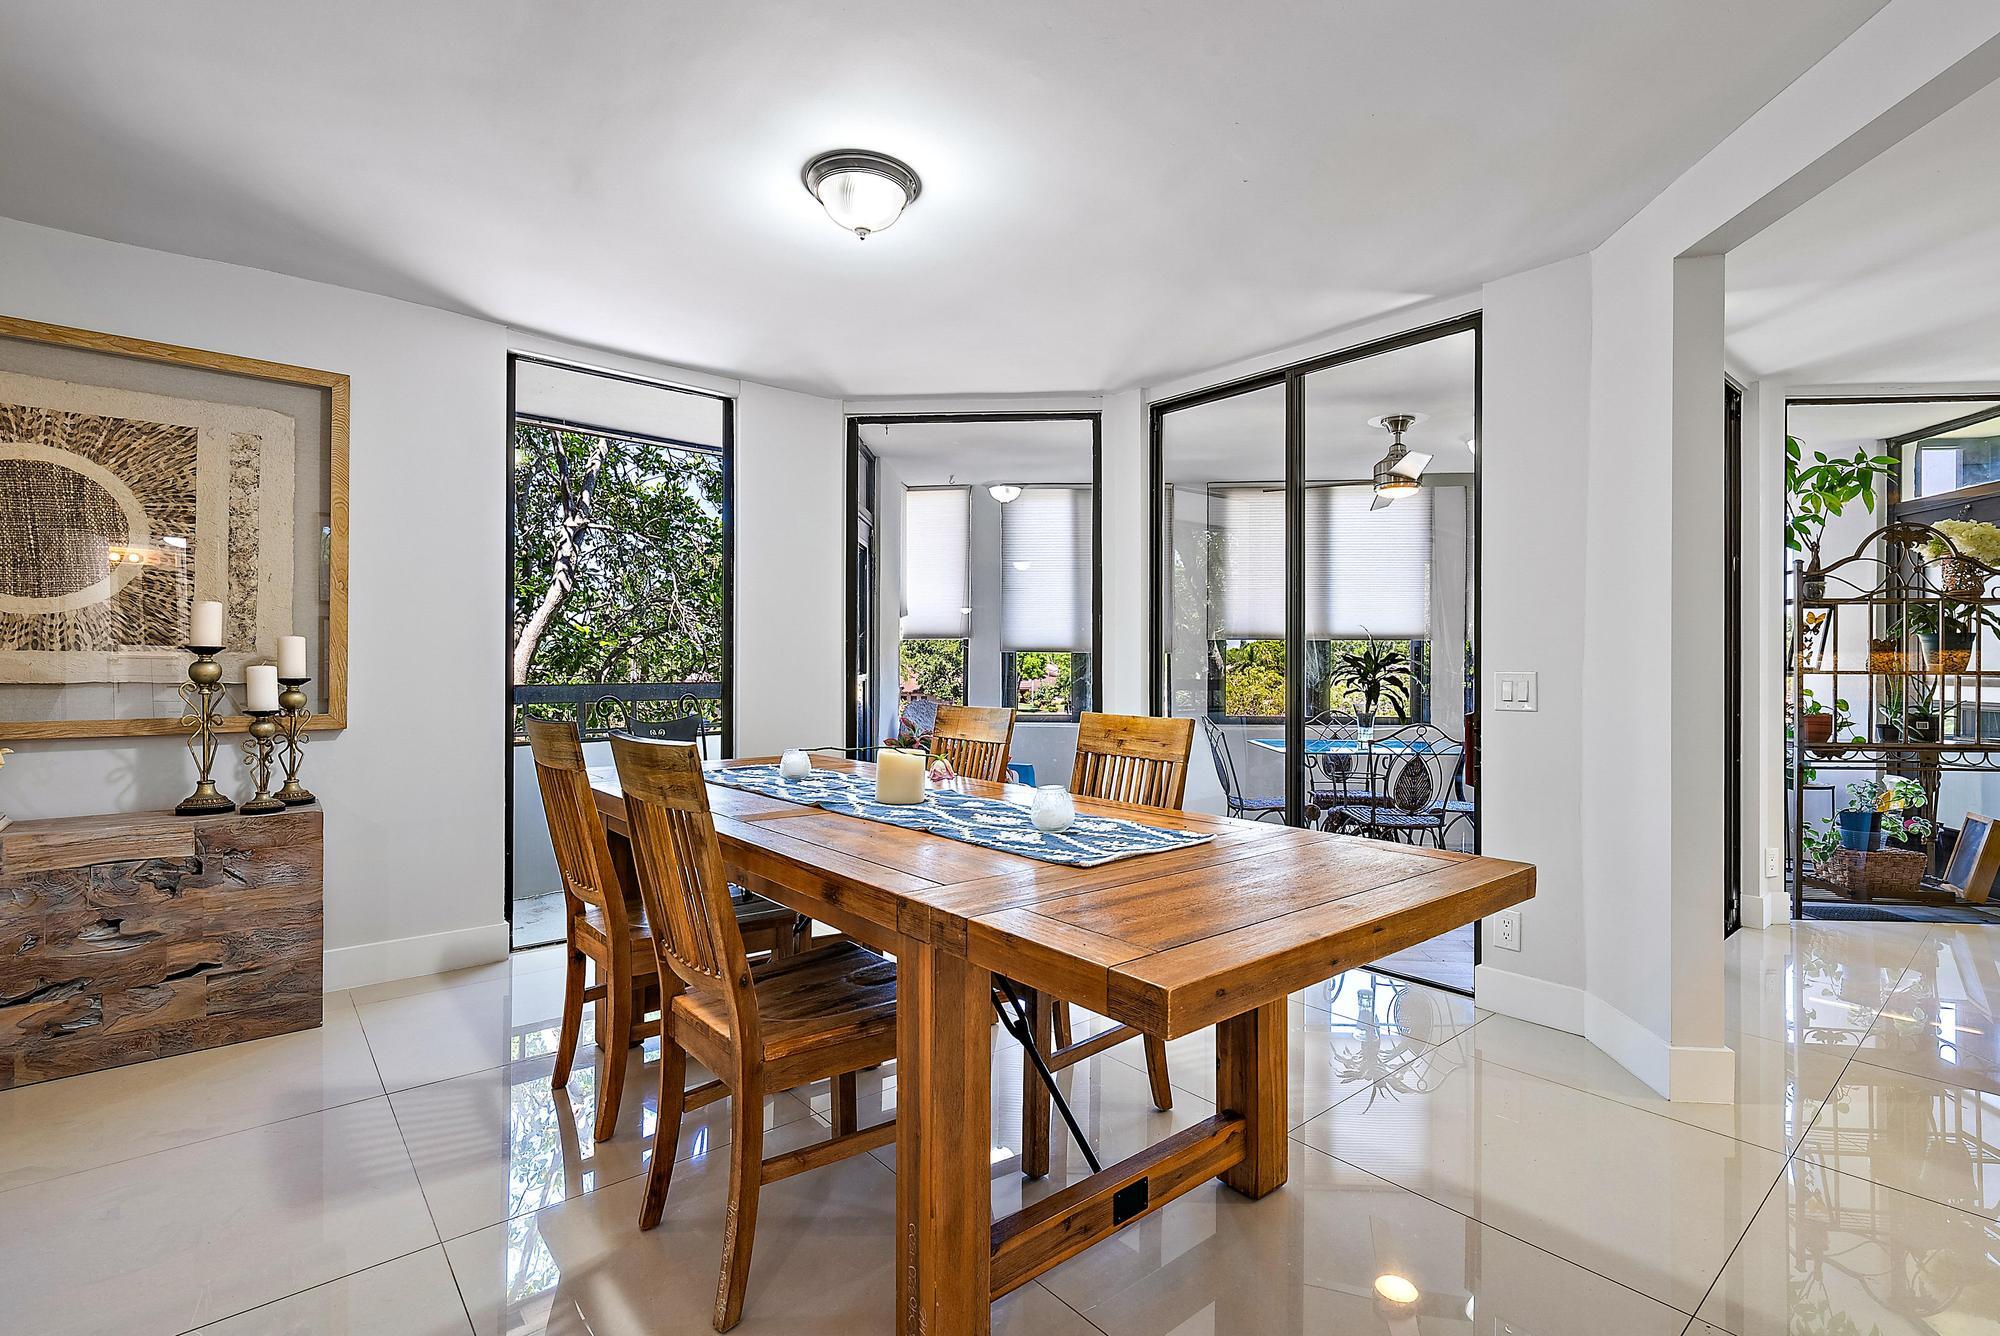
[[1974, 860], [331, 689]]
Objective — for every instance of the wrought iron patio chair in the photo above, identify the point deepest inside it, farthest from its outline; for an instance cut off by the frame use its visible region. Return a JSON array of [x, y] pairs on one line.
[[1253, 806]]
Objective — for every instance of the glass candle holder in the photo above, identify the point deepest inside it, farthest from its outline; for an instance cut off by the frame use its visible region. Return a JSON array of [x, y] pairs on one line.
[[794, 764], [1053, 810]]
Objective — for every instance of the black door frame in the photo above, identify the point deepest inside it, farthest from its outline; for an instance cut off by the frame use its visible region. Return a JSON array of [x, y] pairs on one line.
[[727, 702], [1292, 377], [855, 423], [1732, 657]]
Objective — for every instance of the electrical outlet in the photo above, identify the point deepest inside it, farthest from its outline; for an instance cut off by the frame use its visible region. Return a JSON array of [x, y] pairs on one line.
[[1507, 929], [1770, 862]]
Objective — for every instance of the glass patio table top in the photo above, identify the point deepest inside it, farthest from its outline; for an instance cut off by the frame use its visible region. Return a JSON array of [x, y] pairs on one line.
[[1354, 746]]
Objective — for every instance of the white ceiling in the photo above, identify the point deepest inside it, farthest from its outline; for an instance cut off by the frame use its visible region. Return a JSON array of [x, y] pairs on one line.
[[1114, 194], [1893, 274]]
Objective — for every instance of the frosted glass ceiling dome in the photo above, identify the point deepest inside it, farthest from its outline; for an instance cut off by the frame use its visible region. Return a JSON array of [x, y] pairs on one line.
[[863, 192]]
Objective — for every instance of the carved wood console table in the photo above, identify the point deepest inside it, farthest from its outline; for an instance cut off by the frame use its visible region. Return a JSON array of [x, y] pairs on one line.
[[142, 935]]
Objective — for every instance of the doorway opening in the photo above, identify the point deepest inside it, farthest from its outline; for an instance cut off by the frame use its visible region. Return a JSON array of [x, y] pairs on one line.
[[1316, 597], [620, 560]]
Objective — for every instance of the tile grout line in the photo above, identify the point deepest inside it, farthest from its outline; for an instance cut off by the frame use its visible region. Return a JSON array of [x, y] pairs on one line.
[[331, 1280], [202, 1141], [1526, 1243]]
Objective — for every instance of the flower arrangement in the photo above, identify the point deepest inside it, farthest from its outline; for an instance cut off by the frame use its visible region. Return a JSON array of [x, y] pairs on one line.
[[1972, 538], [909, 737]]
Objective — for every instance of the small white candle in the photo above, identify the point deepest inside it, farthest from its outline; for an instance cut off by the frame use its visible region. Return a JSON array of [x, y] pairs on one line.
[[205, 632], [260, 687], [291, 656], [794, 764]]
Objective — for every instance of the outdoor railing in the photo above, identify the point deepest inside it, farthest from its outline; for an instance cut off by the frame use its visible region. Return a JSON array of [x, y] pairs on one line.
[[602, 708]]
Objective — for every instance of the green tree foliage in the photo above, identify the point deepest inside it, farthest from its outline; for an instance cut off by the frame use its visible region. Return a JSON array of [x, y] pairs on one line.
[[933, 670], [617, 559], [1253, 678], [1046, 682]]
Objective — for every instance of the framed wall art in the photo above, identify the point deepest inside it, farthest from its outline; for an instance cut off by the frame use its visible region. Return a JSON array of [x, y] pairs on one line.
[[137, 479]]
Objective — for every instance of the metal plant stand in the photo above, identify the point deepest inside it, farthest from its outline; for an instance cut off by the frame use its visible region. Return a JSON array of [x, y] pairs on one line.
[[1903, 642]]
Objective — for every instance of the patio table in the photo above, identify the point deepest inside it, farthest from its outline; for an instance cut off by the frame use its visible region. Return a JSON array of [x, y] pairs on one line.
[[1216, 934]]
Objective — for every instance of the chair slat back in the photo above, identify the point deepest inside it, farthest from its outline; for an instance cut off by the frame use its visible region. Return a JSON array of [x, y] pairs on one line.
[[679, 864], [583, 854], [1132, 759], [975, 740]]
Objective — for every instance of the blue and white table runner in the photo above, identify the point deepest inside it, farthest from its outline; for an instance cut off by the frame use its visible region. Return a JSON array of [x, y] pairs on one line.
[[987, 822]]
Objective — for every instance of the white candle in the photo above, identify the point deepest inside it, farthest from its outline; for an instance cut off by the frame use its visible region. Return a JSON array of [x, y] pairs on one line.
[[206, 629], [260, 687], [292, 656], [899, 776]]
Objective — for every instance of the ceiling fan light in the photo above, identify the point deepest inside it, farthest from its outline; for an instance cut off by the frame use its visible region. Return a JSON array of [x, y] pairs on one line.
[[1003, 492], [861, 191]]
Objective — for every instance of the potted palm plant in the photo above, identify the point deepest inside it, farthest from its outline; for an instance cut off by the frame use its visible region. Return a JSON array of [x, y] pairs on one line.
[[1379, 673]]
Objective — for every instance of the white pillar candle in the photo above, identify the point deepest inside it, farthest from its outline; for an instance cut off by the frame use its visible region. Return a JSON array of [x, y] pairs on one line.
[[205, 631], [899, 776], [292, 656], [260, 687]]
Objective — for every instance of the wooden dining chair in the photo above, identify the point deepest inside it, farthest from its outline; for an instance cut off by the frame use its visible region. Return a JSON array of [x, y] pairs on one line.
[[975, 740], [827, 1013], [604, 923], [1140, 762]]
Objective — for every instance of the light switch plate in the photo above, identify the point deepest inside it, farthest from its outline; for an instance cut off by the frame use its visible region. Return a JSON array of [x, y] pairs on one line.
[[1515, 691]]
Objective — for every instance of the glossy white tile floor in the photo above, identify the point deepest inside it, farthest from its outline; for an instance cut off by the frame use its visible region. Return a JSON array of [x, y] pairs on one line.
[[406, 1171]]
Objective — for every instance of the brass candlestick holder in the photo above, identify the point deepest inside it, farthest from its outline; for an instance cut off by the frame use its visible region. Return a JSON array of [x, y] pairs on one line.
[[292, 741], [257, 754], [202, 695]]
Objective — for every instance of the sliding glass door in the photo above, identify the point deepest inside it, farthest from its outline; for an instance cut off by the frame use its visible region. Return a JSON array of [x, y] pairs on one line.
[[1316, 545]]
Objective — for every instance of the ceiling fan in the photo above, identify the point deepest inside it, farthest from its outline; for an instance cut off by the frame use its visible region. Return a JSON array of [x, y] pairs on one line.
[[1400, 472]]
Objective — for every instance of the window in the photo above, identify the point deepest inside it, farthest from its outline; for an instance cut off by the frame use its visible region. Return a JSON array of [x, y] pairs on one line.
[[1045, 600], [933, 668], [1047, 684], [937, 613]]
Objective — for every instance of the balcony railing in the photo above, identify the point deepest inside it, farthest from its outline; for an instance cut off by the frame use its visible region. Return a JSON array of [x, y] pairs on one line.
[[650, 709]]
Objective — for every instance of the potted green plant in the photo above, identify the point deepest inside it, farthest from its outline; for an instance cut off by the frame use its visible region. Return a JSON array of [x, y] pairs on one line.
[[1815, 492], [1379, 673], [1820, 840], [1879, 810], [1946, 556], [1820, 724]]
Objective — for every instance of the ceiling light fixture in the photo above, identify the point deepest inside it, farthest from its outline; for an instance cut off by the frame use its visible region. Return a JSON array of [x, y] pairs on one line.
[[864, 192], [1396, 1289], [1003, 492], [1399, 472]]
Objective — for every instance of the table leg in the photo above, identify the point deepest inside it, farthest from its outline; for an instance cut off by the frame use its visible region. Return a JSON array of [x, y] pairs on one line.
[[944, 1206], [1251, 1056], [1035, 1103]]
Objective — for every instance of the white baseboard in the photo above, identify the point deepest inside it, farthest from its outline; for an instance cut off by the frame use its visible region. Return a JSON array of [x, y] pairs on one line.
[[1524, 997], [409, 957], [1682, 1073], [1766, 909]]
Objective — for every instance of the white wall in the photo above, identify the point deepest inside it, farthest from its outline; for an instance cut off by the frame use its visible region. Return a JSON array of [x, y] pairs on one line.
[[1534, 449], [413, 787]]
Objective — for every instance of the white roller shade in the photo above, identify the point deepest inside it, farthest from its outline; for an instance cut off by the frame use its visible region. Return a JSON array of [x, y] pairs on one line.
[[1247, 527], [935, 591], [1368, 572], [1045, 570]]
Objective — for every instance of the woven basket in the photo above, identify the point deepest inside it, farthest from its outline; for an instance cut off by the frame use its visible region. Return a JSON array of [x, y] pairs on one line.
[[1882, 872], [1957, 575]]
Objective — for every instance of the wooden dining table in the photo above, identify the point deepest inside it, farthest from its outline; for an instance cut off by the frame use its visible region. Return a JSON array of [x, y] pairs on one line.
[[1215, 934]]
